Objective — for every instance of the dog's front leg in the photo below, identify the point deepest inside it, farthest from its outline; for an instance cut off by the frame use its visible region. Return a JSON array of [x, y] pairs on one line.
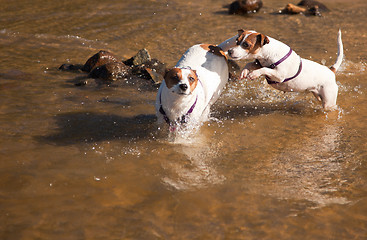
[[248, 68], [272, 73]]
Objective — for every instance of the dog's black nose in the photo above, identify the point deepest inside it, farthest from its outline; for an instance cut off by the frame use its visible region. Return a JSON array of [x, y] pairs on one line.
[[183, 86]]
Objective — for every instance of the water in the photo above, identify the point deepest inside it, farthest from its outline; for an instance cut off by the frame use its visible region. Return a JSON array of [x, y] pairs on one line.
[[90, 163]]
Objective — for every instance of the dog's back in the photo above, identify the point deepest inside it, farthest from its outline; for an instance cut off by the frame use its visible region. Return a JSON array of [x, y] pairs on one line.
[[210, 64]]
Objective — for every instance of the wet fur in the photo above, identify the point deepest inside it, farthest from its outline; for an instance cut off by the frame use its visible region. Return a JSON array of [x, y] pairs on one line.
[[203, 68]]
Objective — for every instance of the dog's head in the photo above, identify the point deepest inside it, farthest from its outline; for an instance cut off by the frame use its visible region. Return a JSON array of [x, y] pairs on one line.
[[182, 81], [248, 44]]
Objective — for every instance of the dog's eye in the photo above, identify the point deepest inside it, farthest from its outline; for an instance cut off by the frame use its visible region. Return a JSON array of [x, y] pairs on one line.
[[191, 79], [245, 45]]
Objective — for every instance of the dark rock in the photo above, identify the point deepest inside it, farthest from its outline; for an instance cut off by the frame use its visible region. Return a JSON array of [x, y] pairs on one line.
[[156, 65], [314, 11], [104, 66], [308, 7], [245, 6], [155, 76], [140, 58], [152, 70], [110, 71], [81, 83], [99, 59], [71, 67], [309, 4]]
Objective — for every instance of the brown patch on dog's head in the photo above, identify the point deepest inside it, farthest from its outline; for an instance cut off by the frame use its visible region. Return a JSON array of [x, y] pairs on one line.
[[175, 75], [193, 80], [172, 77], [253, 42], [241, 35], [214, 49], [261, 40]]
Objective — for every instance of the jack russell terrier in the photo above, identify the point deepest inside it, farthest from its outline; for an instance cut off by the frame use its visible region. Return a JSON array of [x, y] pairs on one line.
[[283, 68], [192, 86]]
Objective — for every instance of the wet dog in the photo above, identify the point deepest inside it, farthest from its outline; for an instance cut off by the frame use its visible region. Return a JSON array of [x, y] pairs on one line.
[[192, 86], [283, 68]]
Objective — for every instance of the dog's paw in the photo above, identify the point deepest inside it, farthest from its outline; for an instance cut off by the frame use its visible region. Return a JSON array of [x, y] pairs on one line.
[[253, 75], [244, 73]]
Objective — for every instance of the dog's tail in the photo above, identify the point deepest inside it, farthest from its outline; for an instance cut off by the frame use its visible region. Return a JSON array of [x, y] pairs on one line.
[[339, 59]]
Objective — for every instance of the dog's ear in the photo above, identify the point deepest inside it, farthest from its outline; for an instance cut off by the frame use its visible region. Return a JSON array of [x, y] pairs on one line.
[[196, 75], [262, 39], [240, 31], [166, 72], [172, 77]]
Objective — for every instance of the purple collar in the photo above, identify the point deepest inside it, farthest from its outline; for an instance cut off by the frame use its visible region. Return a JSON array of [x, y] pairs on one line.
[[183, 118], [274, 65]]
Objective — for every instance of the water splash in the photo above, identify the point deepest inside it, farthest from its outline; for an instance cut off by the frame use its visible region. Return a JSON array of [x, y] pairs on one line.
[[351, 68]]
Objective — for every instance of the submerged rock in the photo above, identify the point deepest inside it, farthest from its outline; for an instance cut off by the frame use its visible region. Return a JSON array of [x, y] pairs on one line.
[[245, 6], [312, 3], [101, 58], [71, 67]]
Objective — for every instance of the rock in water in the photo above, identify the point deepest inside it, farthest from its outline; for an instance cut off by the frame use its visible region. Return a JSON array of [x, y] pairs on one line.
[[99, 59], [309, 4], [245, 6], [71, 67], [110, 71], [140, 58], [308, 7], [152, 69]]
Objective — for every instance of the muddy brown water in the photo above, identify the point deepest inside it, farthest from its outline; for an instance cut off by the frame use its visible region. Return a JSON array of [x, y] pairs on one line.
[[90, 162]]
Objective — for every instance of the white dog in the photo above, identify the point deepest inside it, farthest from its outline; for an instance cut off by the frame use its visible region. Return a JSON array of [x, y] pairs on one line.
[[192, 86], [283, 68]]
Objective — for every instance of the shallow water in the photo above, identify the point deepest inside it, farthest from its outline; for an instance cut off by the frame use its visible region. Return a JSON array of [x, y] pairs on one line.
[[90, 162]]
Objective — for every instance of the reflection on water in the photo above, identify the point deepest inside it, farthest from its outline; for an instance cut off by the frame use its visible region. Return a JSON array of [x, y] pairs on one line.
[[195, 166], [311, 169]]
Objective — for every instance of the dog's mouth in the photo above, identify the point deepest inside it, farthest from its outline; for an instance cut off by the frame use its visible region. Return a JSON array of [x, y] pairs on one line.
[[182, 93], [235, 57]]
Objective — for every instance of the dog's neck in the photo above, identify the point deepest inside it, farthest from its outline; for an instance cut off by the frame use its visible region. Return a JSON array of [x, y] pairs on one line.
[[271, 52], [175, 105]]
